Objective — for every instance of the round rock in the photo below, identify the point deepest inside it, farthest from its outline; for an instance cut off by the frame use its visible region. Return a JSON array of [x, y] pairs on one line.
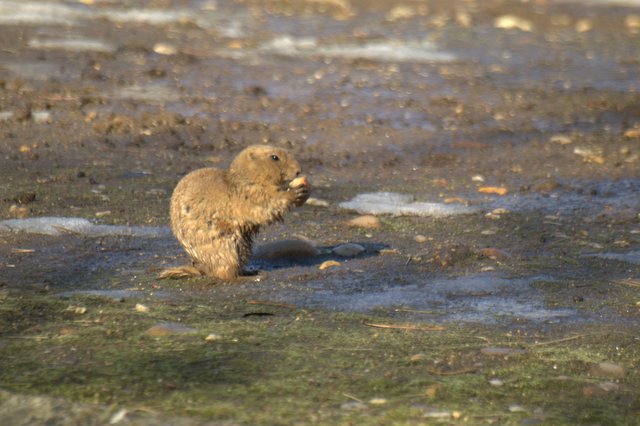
[[348, 250]]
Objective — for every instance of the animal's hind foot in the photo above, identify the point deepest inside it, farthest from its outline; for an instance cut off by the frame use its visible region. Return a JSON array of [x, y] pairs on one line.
[[178, 272]]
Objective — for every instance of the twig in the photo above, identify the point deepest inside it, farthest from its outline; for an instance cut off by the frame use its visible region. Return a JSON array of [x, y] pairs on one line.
[[564, 339], [29, 337], [267, 303], [407, 327], [353, 397], [628, 281], [453, 373], [577, 336], [412, 311]]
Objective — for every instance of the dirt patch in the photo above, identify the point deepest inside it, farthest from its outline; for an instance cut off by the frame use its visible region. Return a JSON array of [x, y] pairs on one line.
[[523, 117]]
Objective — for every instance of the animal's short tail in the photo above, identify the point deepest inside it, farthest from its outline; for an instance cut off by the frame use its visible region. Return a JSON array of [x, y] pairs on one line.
[[185, 271]]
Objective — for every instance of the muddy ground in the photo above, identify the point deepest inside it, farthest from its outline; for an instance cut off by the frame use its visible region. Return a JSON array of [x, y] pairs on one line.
[[524, 311]]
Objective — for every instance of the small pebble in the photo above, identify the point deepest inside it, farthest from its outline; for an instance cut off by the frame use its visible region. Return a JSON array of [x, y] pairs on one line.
[[607, 369], [599, 390], [165, 49], [118, 416], [496, 382], [377, 401], [560, 139], [588, 155], [168, 328], [348, 250], [317, 202], [41, 116], [6, 115], [509, 22], [401, 12], [141, 308], [353, 406], [420, 239], [78, 310], [418, 357], [632, 134], [432, 390], [212, 337], [632, 22], [493, 253], [497, 213], [329, 264], [437, 414], [19, 212], [584, 25], [497, 190], [366, 221]]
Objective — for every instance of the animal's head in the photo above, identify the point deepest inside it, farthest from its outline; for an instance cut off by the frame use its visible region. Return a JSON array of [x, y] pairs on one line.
[[265, 164]]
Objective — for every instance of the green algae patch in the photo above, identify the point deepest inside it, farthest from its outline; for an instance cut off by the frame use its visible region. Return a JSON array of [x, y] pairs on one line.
[[269, 363]]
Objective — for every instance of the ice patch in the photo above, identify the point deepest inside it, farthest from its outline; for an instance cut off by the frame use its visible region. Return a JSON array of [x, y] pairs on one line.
[[390, 50], [629, 257], [73, 45], [42, 13], [149, 93], [115, 294], [149, 16], [481, 298], [20, 13], [402, 205], [630, 3], [56, 226], [41, 71]]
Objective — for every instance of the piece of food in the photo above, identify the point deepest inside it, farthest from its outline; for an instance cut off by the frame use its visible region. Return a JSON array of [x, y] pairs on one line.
[[301, 186], [299, 181]]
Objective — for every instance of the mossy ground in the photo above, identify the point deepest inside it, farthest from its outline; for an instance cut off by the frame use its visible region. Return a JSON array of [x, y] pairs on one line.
[[283, 365]]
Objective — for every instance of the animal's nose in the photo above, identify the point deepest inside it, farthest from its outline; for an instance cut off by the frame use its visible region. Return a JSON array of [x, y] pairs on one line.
[[298, 173]]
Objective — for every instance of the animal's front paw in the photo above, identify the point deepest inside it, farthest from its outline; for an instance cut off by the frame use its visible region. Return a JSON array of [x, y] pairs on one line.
[[299, 188]]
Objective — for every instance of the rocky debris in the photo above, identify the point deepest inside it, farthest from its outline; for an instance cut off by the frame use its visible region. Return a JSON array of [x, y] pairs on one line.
[[365, 221]]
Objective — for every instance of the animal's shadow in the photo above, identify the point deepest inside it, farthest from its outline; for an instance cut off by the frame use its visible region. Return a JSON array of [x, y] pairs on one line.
[[288, 259]]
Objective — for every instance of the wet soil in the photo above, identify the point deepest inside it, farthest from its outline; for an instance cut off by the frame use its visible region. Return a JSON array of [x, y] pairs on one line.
[[105, 105]]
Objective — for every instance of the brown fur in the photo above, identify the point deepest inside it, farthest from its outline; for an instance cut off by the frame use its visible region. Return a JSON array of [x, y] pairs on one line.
[[215, 214]]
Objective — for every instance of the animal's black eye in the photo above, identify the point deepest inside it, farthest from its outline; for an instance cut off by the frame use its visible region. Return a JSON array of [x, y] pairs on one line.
[[275, 157]]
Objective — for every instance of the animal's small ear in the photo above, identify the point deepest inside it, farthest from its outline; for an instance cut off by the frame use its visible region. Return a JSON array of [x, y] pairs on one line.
[[252, 155]]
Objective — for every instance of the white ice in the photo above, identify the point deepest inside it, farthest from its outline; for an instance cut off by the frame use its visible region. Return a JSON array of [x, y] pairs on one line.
[[628, 257], [57, 226], [390, 50], [72, 44], [402, 205]]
